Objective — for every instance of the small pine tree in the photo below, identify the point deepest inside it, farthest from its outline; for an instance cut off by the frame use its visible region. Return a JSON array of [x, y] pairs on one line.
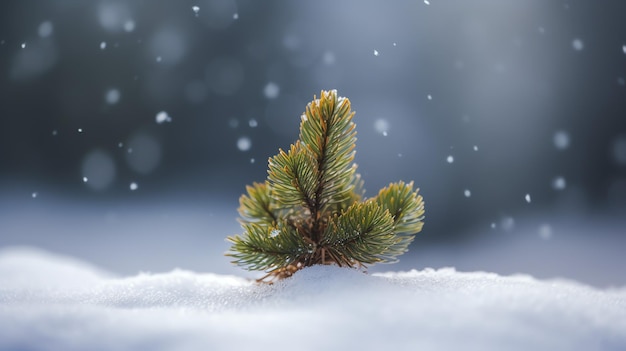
[[311, 210]]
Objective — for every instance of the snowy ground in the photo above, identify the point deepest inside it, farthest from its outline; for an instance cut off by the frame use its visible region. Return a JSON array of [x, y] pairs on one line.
[[69, 281], [51, 302]]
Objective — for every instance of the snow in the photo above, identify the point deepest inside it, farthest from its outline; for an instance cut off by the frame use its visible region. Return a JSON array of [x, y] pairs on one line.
[[450, 159], [98, 169], [561, 140], [113, 16], [578, 44], [162, 117], [45, 29], [381, 126], [271, 90], [112, 96], [527, 198], [244, 144], [559, 183], [51, 302], [129, 26]]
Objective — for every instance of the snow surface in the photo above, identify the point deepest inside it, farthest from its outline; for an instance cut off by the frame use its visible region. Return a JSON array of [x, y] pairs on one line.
[[50, 302]]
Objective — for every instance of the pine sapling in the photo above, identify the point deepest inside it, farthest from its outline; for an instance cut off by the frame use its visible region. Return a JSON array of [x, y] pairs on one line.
[[311, 208]]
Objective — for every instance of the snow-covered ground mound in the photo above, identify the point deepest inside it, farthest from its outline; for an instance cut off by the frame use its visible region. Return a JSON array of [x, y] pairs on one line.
[[49, 302]]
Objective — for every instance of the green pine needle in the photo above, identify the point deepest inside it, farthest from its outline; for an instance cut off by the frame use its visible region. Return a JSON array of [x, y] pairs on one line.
[[258, 205], [362, 234], [310, 209]]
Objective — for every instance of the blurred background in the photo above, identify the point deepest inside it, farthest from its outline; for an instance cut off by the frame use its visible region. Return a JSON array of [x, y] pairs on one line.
[[130, 128]]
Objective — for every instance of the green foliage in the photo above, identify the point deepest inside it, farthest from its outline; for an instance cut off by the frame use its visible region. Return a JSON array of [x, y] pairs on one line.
[[310, 209]]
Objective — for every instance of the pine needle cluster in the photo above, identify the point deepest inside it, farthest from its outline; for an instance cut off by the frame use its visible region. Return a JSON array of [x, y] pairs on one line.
[[311, 208]]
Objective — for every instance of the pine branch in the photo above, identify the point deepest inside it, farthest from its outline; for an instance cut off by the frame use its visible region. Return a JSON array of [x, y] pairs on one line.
[[293, 177], [258, 205], [407, 210], [267, 248], [363, 234], [310, 209], [327, 130]]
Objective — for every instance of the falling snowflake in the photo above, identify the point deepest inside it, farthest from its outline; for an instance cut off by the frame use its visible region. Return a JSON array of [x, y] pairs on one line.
[[129, 26], [162, 117], [271, 90], [381, 126], [561, 140], [112, 96], [559, 183], [244, 144], [578, 44], [45, 29]]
